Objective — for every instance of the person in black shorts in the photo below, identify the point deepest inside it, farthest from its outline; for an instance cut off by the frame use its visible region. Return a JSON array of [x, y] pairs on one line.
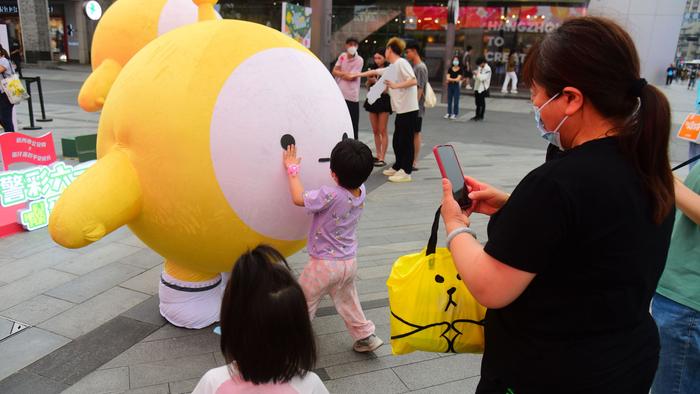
[[575, 254], [379, 112]]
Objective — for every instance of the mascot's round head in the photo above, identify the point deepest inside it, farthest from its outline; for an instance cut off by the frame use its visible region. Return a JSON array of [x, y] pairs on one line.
[[198, 119]]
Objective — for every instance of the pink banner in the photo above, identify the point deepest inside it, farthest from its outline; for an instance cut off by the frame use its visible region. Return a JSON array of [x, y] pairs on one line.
[[20, 148]]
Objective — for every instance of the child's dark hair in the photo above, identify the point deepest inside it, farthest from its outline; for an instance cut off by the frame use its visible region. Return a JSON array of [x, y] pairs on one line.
[[352, 163], [480, 60], [265, 328]]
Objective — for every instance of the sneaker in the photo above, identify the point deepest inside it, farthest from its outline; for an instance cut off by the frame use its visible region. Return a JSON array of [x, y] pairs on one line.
[[389, 172], [513, 92], [469, 87], [447, 116], [369, 344], [453, 117], [504, 92], [400, 177]]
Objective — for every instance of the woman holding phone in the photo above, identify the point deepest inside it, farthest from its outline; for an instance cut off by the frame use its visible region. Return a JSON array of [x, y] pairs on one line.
[[575, 254]]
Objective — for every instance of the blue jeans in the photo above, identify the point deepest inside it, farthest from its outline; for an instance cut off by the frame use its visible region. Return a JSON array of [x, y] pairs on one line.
[[453, 98], [679, 361], [693, 151]]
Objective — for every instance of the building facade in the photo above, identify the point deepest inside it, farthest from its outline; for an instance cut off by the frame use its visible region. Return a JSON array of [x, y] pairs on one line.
[[688, 45], [53, 30], [653, 24], [58, 30]]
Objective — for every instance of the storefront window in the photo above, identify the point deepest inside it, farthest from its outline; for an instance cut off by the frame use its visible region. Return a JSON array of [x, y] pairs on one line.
[[9, 15], [494, 32], [57, 33], [495, 29]]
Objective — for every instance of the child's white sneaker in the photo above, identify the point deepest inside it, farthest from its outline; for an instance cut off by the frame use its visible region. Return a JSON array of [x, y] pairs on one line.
[[369, 344], [389, 172], [447, 116], [453, 117]]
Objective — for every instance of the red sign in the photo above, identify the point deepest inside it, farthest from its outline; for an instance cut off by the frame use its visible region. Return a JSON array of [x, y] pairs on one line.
[[524, 18], [20, 148], [8, 220]]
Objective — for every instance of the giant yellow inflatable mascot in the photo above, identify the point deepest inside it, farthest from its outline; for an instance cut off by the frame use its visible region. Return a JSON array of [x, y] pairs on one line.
[[189, 154], [126, 27]]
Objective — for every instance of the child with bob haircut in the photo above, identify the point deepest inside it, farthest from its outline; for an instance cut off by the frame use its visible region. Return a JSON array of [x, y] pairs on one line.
[[332, 242], [266, 335]]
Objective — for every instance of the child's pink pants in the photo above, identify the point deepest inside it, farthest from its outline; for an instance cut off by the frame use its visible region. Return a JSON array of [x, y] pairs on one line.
[[337, 278]]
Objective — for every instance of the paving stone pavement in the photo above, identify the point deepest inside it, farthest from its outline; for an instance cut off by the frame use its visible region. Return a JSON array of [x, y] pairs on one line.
[[94, 316], [173, 359]]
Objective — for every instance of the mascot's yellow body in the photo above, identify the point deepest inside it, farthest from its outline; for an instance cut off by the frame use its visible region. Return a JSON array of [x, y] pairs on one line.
[[189, 154]]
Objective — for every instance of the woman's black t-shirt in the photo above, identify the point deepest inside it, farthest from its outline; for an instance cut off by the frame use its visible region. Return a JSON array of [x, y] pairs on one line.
[[454, 74], [583, 223]]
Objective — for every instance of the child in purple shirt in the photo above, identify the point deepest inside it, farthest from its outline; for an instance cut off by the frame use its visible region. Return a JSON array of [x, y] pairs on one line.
[[332, 242]]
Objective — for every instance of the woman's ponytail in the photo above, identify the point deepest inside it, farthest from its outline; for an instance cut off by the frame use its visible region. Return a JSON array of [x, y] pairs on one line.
[[646, 144]]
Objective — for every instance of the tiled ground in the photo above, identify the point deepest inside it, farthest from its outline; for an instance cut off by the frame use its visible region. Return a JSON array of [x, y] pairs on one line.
[[172, 359], [93, 311]]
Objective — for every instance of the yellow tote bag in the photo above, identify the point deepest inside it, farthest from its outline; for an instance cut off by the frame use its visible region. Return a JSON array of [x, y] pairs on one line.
[[431, 308]]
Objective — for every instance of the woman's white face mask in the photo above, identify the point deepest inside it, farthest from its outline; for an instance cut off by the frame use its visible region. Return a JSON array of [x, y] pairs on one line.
[[553, 137]]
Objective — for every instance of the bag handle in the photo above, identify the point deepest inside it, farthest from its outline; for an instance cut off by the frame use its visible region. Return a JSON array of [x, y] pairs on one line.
[[432, 242], [685, 163]]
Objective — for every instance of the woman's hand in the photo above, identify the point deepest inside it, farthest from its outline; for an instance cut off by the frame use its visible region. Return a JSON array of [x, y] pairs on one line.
[[452, 213], [289, 156], [486, 199]]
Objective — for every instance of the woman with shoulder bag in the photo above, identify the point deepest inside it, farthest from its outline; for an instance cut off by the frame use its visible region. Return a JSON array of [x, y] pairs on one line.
[[6, 118], [574, 256]]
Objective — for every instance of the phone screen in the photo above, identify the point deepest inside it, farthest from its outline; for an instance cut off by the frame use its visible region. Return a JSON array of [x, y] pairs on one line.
[[453, 172]]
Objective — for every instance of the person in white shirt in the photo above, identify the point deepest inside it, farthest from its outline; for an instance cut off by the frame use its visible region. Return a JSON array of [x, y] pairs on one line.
[[266, 335], [402, 83], [482, 83]]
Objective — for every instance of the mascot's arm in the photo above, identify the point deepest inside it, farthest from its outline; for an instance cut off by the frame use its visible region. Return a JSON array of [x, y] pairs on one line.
[[95, 89], [104, 198]]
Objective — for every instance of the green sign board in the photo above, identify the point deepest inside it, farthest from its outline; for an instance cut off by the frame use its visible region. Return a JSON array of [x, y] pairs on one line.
[[40, 187]]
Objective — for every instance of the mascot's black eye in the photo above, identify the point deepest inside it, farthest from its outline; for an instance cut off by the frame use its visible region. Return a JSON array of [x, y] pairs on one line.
[[287, 140], [439, 279], [459, 277]]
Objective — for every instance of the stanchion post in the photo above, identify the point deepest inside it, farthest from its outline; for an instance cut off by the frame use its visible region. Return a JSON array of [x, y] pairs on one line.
[[32, 126], [41, 103]]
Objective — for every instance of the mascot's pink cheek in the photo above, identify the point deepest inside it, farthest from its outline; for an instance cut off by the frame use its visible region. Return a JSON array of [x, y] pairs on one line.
[[275, 92]]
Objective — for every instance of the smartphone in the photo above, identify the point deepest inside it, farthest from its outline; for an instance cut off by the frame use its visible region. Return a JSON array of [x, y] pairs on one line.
[[450, 169]]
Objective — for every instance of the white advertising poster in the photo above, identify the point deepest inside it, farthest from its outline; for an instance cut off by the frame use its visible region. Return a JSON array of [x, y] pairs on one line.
[[390, 74]]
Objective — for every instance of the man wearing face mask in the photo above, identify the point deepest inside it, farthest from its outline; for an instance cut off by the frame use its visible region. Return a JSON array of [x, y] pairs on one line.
[[350, 63]]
